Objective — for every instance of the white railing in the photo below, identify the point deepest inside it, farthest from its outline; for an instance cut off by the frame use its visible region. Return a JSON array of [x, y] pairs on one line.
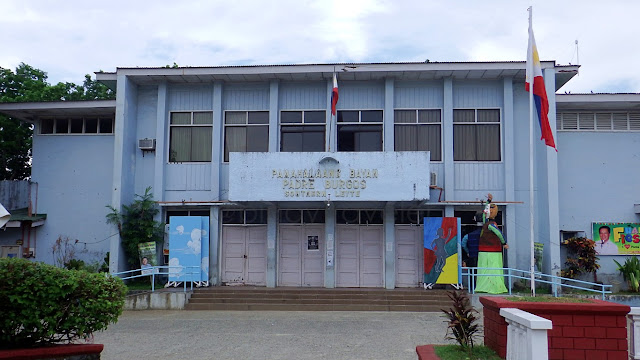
[[526, 335], [633, 322]]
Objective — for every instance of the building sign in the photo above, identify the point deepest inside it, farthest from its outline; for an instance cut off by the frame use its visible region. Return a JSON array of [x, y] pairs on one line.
[[341, 176], [616, 238]]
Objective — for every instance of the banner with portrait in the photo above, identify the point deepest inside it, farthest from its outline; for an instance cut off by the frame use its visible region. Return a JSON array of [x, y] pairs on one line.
[[616, 238]]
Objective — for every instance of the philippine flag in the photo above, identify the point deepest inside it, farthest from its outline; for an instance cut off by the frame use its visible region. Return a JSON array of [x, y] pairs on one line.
[[539, 92], [334, 95]]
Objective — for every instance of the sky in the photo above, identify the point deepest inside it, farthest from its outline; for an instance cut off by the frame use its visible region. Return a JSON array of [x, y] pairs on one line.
[[68, 39]]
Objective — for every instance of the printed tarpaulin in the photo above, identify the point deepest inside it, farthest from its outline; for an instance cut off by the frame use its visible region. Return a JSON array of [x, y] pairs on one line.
[[442, 250]]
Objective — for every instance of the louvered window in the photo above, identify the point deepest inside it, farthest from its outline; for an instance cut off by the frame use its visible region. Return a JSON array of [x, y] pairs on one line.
[[598, 121]]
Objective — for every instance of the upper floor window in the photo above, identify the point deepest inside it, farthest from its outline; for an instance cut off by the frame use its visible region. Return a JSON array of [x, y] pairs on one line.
[[418, 130], [190, 135], [598, 121], [360, 130], [245, 131], [89, 125], [476, 134], [302, 131]]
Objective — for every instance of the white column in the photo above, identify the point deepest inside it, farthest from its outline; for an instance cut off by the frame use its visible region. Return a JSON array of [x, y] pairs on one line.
[[633, 324]]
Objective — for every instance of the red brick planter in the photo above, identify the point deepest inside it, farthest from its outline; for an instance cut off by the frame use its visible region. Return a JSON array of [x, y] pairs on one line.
[[86, 351], [596, 330], [426, 352]]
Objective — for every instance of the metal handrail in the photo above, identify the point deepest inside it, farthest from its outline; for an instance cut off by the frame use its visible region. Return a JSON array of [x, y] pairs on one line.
[[155, 270], [554, 281]]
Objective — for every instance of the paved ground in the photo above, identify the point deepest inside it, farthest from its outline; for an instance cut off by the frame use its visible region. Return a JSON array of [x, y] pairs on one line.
[[270, 335]]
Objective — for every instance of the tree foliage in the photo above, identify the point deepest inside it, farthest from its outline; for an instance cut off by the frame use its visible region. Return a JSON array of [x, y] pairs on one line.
[[42, 304], [136, 224], [28, 84]]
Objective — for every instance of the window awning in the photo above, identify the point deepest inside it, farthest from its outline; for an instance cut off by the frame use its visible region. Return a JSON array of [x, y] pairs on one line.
[[20, 217]]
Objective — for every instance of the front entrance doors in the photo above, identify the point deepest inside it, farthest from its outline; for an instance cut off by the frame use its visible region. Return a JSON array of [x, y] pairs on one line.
[[360, 252], [409, 253], [244, 257], [301, 255]]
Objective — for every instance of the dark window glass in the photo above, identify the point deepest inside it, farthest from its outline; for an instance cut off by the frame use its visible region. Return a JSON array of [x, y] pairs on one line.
[[258, 117], [359, 137], [347, 217], [171, 213], [62, 126], [233, 217], [463, 115], [106, 126], [287, 117], [256, 217], [199, 213], [257, 138], [488, 115], [315, 216], [371, 116], [315, 117], [91, 126], [290, 216], [476, 142], [76, 126], [368, 217], [430, 213], [429, 116], [348, 116], [404, 116], [46, 126], [406, 217], [302, 138]]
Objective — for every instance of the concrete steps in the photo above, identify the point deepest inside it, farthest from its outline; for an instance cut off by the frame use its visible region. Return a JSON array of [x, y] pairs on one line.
[[317, 299]]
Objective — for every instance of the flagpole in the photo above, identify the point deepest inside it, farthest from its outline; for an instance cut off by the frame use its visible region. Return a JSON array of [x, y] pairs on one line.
[[531, 197]]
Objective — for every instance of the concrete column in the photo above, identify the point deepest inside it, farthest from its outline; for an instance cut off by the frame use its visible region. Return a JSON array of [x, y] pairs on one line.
[[218, 140], [274, 131], [390, 246], [552, 248], [124, 147], [447, 131], [161, 137], [388, 130], [214, 245], [272, 231], [508, 152], [330, 246]]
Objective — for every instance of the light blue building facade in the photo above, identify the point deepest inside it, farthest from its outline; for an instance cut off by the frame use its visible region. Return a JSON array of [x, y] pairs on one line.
[[298, 197]]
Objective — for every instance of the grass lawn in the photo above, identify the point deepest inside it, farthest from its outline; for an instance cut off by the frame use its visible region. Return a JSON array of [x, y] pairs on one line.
[[454, 352], [548, 299]]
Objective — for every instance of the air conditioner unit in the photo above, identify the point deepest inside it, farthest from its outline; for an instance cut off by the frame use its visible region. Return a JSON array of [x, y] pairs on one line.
[[147, 144], [434, 179]]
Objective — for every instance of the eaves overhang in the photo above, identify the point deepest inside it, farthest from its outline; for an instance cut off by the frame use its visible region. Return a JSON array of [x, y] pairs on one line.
[[31, 111], [346, 71], [598, 101]]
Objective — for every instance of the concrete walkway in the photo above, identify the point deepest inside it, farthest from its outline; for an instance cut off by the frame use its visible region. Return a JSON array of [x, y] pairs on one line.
[[158, 334]]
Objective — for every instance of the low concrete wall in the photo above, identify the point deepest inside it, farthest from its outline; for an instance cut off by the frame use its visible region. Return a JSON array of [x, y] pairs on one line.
[[159, 300]]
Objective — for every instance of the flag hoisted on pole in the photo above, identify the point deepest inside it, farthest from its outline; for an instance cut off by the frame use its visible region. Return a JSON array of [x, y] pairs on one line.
[[334, 95], [534, 84], [534, 76], [334, 103]]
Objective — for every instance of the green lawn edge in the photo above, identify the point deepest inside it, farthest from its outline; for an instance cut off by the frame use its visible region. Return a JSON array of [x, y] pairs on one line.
[[454, 352]]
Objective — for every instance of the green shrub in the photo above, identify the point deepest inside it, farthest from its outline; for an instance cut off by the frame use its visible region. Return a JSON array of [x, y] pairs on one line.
[[42, 304], [462, 320], [631, 272]]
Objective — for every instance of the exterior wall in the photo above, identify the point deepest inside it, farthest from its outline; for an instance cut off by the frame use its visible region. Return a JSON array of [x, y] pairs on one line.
[[597, 185], [74, 175]]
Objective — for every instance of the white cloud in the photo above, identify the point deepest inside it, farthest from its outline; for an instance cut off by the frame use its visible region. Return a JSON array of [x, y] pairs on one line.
[[196, 241], [73, 38]]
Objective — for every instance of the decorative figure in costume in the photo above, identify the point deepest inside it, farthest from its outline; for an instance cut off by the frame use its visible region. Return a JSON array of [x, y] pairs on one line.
[[490, 253], [440, 250]]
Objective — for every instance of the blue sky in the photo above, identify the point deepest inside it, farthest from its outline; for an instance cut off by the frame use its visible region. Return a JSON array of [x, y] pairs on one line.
[[71, 38]]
